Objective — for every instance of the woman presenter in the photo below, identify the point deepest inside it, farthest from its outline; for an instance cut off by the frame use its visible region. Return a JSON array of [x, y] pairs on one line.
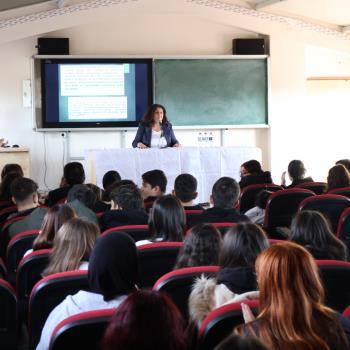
[[155, 130]]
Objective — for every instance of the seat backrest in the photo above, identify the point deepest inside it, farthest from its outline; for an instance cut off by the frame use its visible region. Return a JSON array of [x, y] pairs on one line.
[[223, 226], [155, 260], [28, 273], [330, 205], [192, 217], [5, 204], [86, 329], [3, 270], [136, 232], [343, 229], [8, 316], [346, 312], [343, 191], [4, 234], [48, 293], [316, 187], [249, 193], [335, 276], [283, 205], [220, 322], [4, 213], [178, 284], [16, 248]]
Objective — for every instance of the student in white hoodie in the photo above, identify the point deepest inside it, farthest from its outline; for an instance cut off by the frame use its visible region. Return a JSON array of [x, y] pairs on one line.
[[112, 276]]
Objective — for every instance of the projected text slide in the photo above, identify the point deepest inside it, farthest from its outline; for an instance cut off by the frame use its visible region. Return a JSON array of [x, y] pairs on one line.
[[93, 108], [92, 80]]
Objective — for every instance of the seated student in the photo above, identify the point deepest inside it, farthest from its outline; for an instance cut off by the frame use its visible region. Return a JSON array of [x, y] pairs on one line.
[[338, 176], [73, 174], [11, 168], [25, 196], [311, 230], [296, 173], [201, 247], [113, 186], [257, 214], [242, 244], [82, 199], [5, 186], [236, 277], [55, 217], [126, 209], [112, 276], [109, 178], [292, 311], [153, 185], [146, 320], [252, 173], [99, 205], [167, 221], [185, 189], [345, 162], [224, 196], [72, 246]]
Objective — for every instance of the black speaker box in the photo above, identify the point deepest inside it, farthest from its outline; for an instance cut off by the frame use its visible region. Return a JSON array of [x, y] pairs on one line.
[[248, 47], [53, 46]]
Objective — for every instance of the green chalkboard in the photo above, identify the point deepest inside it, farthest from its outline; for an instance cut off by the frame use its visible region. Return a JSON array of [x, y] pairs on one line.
[[212, 91]]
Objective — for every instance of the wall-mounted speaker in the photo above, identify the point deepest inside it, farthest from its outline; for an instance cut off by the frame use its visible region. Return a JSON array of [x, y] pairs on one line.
[[248, 46], [53, 46]]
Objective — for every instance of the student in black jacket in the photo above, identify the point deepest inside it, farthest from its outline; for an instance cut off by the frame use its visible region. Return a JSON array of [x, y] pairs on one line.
[[224, 196], [242, 244], [126, 208], [252, 173]]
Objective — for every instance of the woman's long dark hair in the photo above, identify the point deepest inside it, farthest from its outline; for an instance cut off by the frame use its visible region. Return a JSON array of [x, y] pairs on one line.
[[148, 117], [338, 176], [167, 219], [242, 244], [312, 230]]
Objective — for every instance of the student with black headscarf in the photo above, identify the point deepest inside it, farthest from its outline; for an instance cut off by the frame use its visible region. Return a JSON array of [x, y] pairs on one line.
[[112, 276]]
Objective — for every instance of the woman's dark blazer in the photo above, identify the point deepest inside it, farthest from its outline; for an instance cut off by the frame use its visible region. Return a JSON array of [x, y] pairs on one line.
[[144, 135]]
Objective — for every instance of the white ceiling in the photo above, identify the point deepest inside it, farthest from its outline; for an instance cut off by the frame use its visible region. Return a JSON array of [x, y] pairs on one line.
[[327, 12], [331, 13]]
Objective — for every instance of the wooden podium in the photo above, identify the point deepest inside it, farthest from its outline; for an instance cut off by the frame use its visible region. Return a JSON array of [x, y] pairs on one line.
[[16, 155]]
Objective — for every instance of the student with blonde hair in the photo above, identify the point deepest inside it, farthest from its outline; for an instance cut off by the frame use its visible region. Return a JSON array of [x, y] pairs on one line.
[[72, 246], [292, 311], [53, 220]]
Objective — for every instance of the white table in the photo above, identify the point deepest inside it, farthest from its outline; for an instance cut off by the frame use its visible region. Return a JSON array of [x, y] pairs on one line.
[[206, 164]]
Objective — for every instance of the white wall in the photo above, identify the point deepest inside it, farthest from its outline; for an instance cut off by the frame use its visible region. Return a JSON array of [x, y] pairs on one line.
[[153, 28]]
